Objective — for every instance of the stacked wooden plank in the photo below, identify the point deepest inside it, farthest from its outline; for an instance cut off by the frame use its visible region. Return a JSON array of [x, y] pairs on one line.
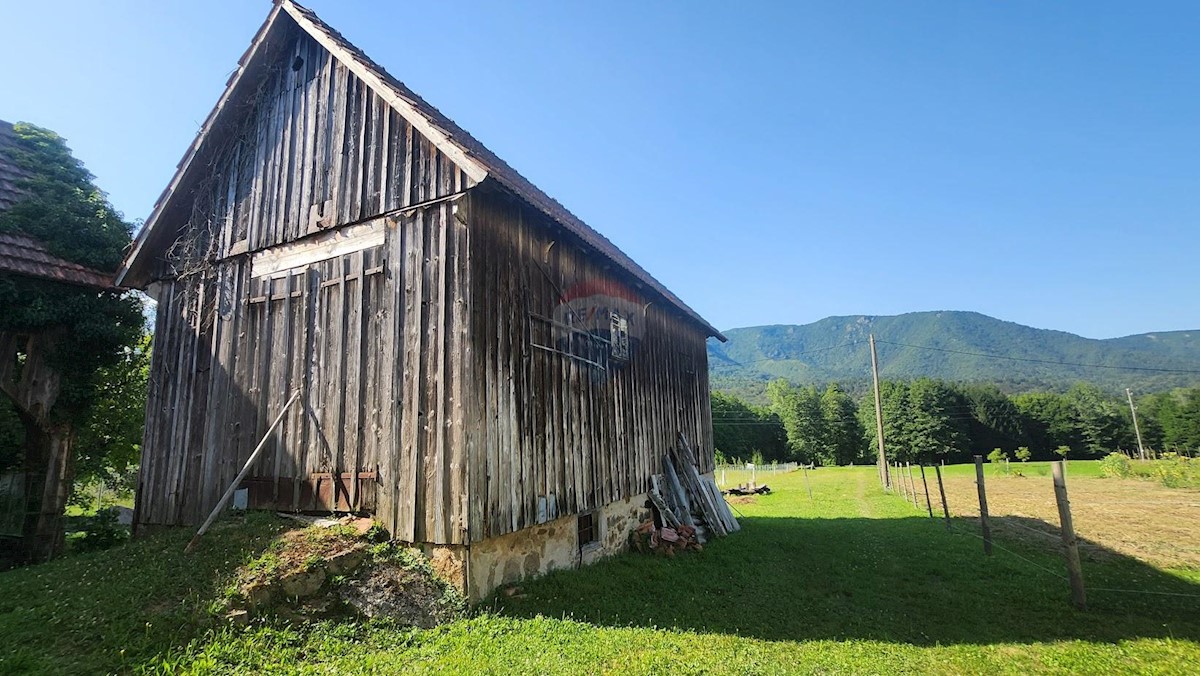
[[683, 497]]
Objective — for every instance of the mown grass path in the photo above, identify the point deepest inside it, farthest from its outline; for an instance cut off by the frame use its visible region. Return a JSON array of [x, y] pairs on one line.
[[852, 581]]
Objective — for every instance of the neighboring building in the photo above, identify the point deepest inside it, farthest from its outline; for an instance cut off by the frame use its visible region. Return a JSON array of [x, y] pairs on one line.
[[34, 495], [480, 370]]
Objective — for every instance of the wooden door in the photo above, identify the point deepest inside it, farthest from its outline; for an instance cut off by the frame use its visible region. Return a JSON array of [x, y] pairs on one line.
[[321, 328]]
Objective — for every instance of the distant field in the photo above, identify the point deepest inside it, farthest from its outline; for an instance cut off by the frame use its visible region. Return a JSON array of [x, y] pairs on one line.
[[1075, 468], [1133, 517], [852, 580]]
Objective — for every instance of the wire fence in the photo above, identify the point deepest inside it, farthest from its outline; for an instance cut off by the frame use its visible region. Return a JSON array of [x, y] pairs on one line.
[[750, 473], [921, 496]]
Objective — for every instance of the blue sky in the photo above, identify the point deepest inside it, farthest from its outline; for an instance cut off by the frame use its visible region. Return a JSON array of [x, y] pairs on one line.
[[771, 162]]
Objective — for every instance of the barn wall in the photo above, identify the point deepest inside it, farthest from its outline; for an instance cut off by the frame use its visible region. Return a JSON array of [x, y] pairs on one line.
[[314, 149], [553, 435], [374, 340], [366, 334]]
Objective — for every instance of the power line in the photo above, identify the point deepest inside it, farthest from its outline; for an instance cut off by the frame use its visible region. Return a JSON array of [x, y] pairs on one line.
[[1041, 361]]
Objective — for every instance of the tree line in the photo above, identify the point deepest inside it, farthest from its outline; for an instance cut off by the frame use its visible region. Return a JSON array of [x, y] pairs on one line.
[[930, 420]]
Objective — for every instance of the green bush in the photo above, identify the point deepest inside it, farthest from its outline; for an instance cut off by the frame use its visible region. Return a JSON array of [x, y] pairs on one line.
[[1176, 471], [1116, 465], [100, 531], [997, 455]]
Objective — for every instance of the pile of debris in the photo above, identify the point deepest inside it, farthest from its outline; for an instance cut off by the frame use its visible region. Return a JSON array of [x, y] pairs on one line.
[[649, 539], [749, 489], [689, 508]]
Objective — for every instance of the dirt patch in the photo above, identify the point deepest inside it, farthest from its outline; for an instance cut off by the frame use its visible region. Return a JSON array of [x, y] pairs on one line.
[[742, 499], [1135, 518], [408, 596], [338, 570]]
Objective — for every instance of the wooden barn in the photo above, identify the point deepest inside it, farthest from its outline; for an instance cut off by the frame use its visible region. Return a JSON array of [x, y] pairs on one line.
[[478, 369]]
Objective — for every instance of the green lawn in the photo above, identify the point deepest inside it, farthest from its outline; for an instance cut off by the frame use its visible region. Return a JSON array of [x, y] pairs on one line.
[[851, 581]]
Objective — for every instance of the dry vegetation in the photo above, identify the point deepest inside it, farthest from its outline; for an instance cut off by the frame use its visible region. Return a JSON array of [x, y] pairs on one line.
[[1142, 519]]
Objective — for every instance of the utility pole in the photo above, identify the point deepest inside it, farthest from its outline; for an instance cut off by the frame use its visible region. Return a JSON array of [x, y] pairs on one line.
[[1136, 430], [883, 466]]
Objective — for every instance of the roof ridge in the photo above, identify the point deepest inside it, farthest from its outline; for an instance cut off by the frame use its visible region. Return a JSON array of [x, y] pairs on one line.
[[503, 172], [474, 158]]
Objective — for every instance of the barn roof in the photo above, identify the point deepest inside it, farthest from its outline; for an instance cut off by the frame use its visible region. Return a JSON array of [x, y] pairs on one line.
[[468, 153], [23, 255]]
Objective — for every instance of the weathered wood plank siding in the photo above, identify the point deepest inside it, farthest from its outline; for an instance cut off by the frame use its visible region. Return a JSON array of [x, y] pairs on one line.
[[550, 434], [315, 149], [389, 410], [375, 335]]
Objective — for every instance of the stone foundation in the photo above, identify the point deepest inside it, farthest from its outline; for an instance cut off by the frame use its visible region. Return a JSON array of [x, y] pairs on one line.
[[549, 546]]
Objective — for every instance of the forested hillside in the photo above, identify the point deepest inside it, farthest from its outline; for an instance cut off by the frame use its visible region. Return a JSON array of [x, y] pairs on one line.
[[950, 346], [927, 420]]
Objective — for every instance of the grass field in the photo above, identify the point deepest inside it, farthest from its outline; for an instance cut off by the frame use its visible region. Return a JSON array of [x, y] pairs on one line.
[[852, 580], [1133, 517]]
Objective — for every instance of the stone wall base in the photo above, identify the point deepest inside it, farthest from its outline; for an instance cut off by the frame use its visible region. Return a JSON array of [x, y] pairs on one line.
[[486, 565]]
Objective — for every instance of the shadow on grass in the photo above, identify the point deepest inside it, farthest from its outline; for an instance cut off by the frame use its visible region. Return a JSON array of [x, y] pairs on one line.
[[107, 611], [897, 580]]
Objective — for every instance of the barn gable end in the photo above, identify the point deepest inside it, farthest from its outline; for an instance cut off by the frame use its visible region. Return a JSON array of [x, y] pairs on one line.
[[473, 360]]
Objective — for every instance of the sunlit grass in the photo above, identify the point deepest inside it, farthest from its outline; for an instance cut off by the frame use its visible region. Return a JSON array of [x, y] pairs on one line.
[[851, 580]]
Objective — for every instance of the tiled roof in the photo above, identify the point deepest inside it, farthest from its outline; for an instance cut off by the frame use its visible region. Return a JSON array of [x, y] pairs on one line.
[[24, 255]]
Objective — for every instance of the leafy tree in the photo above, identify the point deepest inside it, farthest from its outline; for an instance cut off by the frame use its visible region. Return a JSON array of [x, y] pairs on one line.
[[1102, 422], [897, 425], [63, 209], [93, 330], [110, 441], [844, 434], [934, 426], [993, 419], [1023, 454], [1171, 420], [997, 455], [800, 411], [1063, 451], [740, 430], [1050, 421]]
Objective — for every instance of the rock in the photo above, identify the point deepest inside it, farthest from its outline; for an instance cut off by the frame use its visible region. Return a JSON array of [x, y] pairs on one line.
[[238, 617], [257, 594], [124, 515], [302, 583], [346, 560], [362, 525]]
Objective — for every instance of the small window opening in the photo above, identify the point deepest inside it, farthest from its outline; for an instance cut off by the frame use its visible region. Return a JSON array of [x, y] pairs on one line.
[[587, 529], [297, 64], [618, 337]]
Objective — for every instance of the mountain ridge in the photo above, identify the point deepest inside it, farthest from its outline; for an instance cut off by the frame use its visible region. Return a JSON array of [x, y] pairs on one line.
[[956, 345]]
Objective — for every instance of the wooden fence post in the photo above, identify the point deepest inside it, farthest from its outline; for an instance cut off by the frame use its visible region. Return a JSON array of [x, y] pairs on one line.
[[983, 511], [903, 486], [806, 484], [928, 504], [1070, 542], [942, 490], [913, 486]]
